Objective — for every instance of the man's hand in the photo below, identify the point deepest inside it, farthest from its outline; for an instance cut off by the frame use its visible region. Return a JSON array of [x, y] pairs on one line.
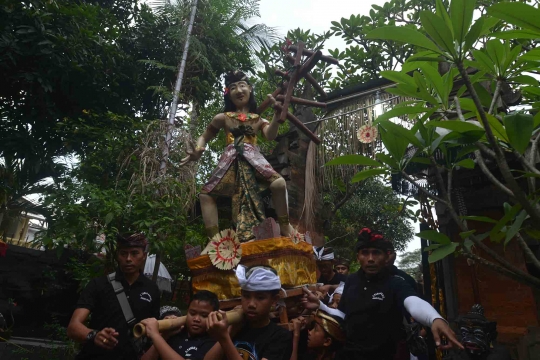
[[171, 332], [152, 327], [298, 325], [218, 325], [106, 339], [440, 328], [310, 300]]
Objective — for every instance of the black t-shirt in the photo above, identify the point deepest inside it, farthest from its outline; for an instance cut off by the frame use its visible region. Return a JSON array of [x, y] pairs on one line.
[[336, 279], [408, 278], [373, 309], [271, 342], [191, 347], [99, 297]]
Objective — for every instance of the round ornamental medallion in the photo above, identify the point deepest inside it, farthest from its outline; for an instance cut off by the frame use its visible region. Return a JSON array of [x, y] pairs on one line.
[[367, 134], [225, 251]]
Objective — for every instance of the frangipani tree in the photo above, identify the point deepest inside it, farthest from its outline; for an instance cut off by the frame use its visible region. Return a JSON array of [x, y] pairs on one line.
[[465, 126]]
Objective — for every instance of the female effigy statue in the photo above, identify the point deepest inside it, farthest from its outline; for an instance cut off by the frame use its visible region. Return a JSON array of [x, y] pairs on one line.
[[242, 172]]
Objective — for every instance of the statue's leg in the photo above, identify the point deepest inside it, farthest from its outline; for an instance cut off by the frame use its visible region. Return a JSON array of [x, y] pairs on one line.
[[209, 214], [279, 198]]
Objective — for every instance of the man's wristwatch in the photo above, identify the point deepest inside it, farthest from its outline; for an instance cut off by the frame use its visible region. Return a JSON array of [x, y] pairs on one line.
[[91, 336]]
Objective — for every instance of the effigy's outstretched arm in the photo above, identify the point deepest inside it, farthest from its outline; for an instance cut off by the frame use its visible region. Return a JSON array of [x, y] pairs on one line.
[[270, 132], [211, 131]]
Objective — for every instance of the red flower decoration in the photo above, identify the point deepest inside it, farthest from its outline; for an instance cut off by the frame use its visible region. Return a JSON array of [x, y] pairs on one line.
[[242, 117], [226, 91], [376, 237], [367, 230]]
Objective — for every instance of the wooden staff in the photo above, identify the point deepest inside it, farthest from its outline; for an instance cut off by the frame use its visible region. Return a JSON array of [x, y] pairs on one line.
[[234, 317]]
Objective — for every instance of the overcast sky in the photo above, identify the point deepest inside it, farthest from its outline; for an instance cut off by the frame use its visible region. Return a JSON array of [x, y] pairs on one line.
[[315, 15]]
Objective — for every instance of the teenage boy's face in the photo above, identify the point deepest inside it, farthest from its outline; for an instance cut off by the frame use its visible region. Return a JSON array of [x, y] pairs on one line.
[[257, 304], [372, 260], [317, 338], [198, 311]]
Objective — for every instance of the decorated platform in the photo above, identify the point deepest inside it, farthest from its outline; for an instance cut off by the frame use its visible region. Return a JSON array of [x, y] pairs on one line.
[[294, 263]]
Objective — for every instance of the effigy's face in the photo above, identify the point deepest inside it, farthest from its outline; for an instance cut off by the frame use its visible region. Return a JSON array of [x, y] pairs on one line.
[[475, 338], [239, 93]]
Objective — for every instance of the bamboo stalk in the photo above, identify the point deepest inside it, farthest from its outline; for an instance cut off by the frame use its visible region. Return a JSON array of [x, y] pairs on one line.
[[139, 330]]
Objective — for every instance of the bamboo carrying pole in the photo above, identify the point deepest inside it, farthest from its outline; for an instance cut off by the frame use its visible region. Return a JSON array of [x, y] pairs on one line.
[[139, 330]]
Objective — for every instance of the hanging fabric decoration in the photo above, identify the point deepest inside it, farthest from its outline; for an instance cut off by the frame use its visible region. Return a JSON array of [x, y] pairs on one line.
[[224, 250], [367, 134]]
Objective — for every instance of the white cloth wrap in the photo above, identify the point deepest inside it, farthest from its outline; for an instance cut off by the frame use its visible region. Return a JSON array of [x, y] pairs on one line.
[[319, 254], [334, 312], [339, 290], [261, 279], [419, 309]]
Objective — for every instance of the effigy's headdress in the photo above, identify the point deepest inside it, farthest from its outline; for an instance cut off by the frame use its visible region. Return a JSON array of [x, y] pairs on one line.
[[235, 76]]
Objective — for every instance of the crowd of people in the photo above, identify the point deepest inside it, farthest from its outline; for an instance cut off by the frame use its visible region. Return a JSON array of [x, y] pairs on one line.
[[360, 315]]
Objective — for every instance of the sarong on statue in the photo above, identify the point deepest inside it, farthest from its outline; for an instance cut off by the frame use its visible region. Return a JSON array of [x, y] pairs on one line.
[[242, 174]]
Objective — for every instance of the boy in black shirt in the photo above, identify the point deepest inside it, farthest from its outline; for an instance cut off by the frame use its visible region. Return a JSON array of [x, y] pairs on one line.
[[192, 342], [259, 339]]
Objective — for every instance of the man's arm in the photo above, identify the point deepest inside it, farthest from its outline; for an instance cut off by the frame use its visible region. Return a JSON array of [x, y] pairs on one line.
[[77, 331], [160, 345], [424, 313], [312, 302]]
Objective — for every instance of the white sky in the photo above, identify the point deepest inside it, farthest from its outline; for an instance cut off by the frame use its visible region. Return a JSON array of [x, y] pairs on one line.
[[315, 15]]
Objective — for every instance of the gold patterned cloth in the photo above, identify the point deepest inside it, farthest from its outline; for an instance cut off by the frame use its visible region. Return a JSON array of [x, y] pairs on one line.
[[294, 264], [242, 174]]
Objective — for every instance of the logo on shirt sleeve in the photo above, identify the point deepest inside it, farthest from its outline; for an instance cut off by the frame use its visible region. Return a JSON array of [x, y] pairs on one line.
[[146, 297], [378, 296]]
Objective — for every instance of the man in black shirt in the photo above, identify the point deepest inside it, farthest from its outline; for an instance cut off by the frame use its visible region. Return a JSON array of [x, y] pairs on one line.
[[372, 305], [109, 335], [395, 271], [259, 338], [192, 342], [325, 264], [342, 266]]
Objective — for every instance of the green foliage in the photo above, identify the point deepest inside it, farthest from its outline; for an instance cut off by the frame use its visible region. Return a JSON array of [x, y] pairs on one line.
[[372, 205], [373, 45], [411, 262]]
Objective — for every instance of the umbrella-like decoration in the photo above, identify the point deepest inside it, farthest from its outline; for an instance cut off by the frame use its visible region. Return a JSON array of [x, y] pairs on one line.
[[164, 279], [224, 250]]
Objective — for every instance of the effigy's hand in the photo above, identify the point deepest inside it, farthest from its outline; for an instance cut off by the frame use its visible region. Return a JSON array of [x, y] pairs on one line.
[[193, 155], [275, 104]]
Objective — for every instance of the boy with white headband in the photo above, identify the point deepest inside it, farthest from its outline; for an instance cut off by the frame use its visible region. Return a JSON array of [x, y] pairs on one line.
[[259, 338]]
